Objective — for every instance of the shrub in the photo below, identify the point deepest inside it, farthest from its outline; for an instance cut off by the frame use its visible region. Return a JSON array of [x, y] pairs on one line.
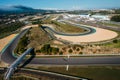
[[115, 41], [116, 18], [60, 53], [70, 50], [80, 52], [77, 49], [55, 50], [48, 49]]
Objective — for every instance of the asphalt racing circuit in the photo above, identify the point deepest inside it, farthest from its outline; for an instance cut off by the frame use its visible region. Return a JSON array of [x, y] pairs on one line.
[[7, 55], [92, 34]]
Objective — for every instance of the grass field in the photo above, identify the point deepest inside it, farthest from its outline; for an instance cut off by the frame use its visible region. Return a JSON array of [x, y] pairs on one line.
[[67, 28], [113, 45], [34, 38], [37, 37], [20, 77], [111, 24], [90, 72]]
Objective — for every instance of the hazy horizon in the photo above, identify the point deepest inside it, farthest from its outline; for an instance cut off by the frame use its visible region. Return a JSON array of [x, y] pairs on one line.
[[64, 4]]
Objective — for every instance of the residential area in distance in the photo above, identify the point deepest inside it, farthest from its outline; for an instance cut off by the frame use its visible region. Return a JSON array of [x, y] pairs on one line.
[[59, 43]]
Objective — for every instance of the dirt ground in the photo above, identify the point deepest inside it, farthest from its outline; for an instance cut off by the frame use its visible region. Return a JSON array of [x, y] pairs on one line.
[[99, 35], [6, 40]]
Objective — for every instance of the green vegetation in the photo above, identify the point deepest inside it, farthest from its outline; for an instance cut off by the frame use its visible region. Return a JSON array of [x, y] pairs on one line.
[[77, 49], [80, 52], [117, 11], [38, 38], [47, 49], [36, 22], [48, 19], [21, 47], [89, 12], [35, 38], [20, 77], [101, 13], [114, 44], [60, 53], [70, 50], [116, 18], [7, 29], [115, 41], [90, 72], [110, 24], [79, 12], [67, 27]]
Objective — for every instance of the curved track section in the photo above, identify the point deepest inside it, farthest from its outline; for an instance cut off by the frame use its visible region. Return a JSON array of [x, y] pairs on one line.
[[89, 31], [7, 54], [8, 57], [93, 34]]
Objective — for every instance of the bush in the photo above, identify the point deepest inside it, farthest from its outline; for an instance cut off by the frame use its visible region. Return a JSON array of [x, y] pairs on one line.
[[70, 50], [60, 53], [77, 49], [48, 49], [80, 52], [116, 18], [39, 51], [55, 50], [115, 41], [21, 47], [7, 29]]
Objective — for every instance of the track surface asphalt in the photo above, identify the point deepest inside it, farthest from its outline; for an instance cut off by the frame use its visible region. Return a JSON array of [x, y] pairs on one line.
[[8, 57]]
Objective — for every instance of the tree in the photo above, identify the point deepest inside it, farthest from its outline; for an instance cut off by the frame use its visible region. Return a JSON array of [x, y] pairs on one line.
[[39, 51], [55, 50], [70, 50], [80, 52], [115, 41], [60, 53], [6, 29], [115, 18], [77, 49], [46, 48], [117, 11], [22, 45]]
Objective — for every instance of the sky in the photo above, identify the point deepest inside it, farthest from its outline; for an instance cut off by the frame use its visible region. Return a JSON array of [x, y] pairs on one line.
[[64, 4]]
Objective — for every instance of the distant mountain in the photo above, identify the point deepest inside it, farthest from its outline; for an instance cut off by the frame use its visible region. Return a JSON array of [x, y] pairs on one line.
[[21, 9], [14, 8]]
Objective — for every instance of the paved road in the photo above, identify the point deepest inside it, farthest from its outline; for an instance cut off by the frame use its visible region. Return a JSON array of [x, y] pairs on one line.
[[7, 53], [88, 31], [7, 56], [41, 74], [78, 61]]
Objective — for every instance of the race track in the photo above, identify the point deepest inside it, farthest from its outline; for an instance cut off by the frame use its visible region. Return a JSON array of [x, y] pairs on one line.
[[8, 57]]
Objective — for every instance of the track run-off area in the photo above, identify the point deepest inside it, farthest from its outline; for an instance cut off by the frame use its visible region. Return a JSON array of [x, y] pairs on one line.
[[7, 55], [94, 34]]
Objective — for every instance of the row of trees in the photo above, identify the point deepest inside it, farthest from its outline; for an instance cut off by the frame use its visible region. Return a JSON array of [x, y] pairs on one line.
[[22, 45], [48, 50], [6, 29], [116, 18], [117, 11]]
